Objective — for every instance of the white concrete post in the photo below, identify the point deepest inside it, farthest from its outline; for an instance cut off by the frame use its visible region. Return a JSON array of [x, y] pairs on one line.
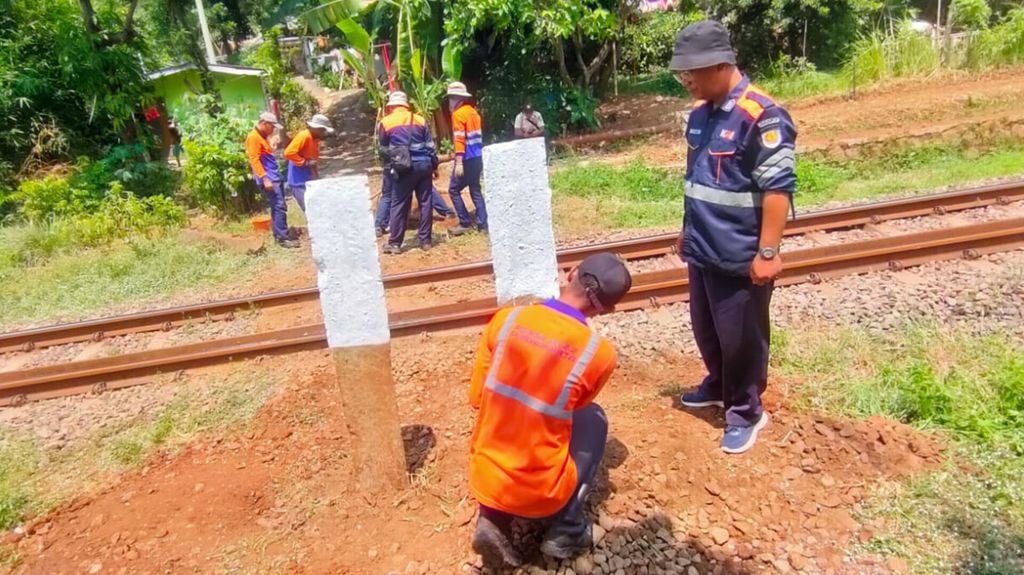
[[356, 318], [519, 220]]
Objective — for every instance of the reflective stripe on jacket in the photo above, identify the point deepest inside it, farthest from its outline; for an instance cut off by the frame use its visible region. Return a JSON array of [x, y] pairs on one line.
[[404, 128], [261, 157], [467, 131], [534, 367], [303, 147], [736, 153]]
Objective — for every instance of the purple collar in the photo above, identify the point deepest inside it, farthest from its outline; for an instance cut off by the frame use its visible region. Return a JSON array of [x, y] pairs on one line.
[[566, 309]]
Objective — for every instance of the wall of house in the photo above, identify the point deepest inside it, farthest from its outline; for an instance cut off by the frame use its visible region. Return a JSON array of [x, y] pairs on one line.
[[244, 92]]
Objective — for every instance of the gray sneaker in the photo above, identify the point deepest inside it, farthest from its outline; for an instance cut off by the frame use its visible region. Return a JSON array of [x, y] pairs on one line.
[[392, 249], [459, 230], [289, 244]]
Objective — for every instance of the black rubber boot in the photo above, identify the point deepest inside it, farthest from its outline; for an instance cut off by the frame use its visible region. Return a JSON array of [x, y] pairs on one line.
[[568, 546], [491, 542]]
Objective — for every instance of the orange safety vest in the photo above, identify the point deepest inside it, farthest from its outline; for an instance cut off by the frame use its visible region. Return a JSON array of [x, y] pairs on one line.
[[535, 366]]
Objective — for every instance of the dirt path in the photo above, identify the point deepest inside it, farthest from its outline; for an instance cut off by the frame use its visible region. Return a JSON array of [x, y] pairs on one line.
[[275, 498], [900, 109]]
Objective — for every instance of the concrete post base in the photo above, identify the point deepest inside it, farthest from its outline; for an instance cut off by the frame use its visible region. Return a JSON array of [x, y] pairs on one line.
[[371, 416]]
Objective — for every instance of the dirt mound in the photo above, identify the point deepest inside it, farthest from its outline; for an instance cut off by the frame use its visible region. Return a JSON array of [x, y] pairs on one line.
[[275, 497]]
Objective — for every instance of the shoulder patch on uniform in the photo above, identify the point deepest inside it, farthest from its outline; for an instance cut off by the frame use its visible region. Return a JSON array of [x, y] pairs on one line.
[[771, 138], [769, 122]]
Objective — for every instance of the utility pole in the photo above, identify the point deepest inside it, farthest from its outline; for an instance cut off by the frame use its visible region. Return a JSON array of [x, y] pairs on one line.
[[211, 56]]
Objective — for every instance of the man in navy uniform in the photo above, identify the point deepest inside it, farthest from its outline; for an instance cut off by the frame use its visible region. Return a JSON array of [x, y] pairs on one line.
[[739, 181]]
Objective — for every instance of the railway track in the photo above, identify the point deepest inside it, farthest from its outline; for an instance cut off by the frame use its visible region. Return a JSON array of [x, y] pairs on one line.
[[649, 289], [651, 246]]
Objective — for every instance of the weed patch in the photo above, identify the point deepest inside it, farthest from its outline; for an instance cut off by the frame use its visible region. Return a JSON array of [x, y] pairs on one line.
[[76, 285], [34, 480], [967, 517], [639, 195]]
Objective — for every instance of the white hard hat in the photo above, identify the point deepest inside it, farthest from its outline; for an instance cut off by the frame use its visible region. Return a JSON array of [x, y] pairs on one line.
[[321, 121], [458, 89], [398, 98]]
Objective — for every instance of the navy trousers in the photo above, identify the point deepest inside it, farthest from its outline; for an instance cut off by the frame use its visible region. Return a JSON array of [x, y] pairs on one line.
[[472, 171], [416, 181], [384, 203], [278, 211], [732, 329], [299, 193], [589, 435]]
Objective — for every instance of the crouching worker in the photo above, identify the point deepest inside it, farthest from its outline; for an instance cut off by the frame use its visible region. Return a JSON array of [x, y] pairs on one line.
[[539, 436]]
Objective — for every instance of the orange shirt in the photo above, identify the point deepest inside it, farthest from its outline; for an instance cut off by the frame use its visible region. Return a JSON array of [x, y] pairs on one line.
[[467, 132], [535, 365], [302, 147], [261, 157]]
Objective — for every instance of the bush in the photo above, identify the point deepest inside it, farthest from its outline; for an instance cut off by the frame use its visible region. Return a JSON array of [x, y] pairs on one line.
[[216, 176], [1000, 45], [119, 215], [647, 43], [880, 56], [54, 196], [970, 14]]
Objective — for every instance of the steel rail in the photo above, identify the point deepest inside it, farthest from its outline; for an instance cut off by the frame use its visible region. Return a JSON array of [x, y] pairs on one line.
[[650, 246], [649, 289]]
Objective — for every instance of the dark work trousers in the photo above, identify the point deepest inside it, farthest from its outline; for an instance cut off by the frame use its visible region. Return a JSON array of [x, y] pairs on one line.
[[278, 211], [416, 181], [472, 171], [589, 435], [732, 329], [299, 193], [384, 203]]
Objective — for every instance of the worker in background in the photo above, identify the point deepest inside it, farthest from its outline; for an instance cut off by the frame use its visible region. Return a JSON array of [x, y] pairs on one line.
[[468, 165], [175, 132], [739, 181], [303, 155], [529, 123], [383, 215], [268, 176], [412, 159], [539, 437]]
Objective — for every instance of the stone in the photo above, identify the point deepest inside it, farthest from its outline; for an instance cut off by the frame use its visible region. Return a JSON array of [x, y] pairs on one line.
[[719, 535], [584, 565], [606, 521], [95, 568], [599, 534], [713, 488], [797, 561], [898, 565]]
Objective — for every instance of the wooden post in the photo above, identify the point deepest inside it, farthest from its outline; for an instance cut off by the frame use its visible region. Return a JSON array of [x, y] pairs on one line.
[[356, 319]]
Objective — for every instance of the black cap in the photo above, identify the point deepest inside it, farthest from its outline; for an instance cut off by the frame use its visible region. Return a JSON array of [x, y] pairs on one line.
[[605, 278], [701, 45]]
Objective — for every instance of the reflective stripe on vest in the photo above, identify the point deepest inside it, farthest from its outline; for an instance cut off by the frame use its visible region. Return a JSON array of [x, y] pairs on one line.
[[724, 197], [557, 410]]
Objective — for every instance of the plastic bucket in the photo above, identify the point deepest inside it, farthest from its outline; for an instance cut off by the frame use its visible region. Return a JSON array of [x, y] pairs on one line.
[[261, 223]]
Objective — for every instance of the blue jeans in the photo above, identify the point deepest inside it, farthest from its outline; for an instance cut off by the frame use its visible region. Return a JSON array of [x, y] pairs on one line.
[[586, 447], [278, 211], [473, 170], [384, 203], [730, 322]]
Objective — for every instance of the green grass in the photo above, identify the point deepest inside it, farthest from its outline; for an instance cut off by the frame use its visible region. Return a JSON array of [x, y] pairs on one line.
[[968, 516], [34, 480], [639, 195], [75, 285]]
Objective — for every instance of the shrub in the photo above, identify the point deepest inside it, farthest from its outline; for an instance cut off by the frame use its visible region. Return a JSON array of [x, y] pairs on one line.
[[119, 215], [216, 176], [647, 43], [970, 14], [1000, 45], [879, 56], [53, 196]]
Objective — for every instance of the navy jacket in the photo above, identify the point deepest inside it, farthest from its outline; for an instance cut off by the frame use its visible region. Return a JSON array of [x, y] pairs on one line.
[[735, 153]]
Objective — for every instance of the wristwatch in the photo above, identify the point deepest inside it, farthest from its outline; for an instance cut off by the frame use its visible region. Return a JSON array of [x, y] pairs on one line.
[[767, 253]]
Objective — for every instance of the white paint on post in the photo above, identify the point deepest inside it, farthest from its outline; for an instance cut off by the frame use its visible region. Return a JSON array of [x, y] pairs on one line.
[[519, 218], [348, 267]]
